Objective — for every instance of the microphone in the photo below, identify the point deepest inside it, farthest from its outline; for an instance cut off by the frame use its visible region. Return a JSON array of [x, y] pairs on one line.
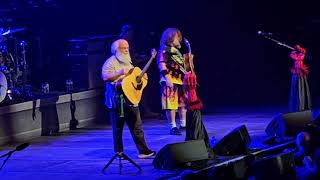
[[264, 33], [22, 146], [187, 43], [186, 40]]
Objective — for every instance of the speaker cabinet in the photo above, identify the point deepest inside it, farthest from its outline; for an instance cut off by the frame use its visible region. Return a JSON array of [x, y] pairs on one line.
[[180, 155], [234, 143], [289, 124], [279, 166]]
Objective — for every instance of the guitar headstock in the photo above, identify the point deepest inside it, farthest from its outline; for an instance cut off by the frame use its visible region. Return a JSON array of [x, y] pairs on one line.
[[187, 43], [189, 57], [153, 53]]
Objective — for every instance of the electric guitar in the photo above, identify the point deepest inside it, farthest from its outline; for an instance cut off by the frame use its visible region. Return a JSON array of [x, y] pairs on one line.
[[133, 84]]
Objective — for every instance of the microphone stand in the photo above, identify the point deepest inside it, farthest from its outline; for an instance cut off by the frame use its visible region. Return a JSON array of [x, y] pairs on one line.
[[18, 148], [8, 156], [283, 44], [73, 122]]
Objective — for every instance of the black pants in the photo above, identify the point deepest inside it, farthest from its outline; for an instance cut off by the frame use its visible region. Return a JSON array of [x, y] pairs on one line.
[[195, 129], [133, 120], [300, 98]]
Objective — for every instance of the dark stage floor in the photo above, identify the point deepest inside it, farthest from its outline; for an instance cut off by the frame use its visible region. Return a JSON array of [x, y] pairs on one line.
[[81, 154]]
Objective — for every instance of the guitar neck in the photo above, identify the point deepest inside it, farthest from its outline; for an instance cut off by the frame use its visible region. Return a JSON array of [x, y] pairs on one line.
[[145, 68], [191, 66]]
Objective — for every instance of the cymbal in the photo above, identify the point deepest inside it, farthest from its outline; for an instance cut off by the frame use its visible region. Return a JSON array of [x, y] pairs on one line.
[[80, 39], [11, 31], [88, 38]]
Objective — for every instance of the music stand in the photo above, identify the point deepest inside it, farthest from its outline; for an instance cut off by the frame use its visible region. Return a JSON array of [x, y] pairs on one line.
[[121, 157]]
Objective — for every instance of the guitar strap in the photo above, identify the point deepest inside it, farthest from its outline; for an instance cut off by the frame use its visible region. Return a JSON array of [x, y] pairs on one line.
[[120, 101], [120, 105], [121, 113]]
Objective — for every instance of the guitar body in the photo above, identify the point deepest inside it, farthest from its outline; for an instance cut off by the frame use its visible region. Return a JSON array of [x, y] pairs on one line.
[[132, 89]]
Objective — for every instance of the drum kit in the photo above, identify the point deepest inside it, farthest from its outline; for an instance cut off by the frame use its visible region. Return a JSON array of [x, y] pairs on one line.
[[13, 67]]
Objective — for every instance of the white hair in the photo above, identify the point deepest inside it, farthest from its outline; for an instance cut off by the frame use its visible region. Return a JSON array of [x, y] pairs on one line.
[[115, 46]]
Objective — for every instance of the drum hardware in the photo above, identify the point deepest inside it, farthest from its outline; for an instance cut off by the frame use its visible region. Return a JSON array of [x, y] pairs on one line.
[[13, 68], [3, 86], [9, 31]]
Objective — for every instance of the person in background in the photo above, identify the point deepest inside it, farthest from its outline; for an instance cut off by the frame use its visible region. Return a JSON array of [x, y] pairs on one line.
[[300, 99]]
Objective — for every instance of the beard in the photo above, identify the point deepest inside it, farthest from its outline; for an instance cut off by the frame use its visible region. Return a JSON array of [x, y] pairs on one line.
[[124, 58]]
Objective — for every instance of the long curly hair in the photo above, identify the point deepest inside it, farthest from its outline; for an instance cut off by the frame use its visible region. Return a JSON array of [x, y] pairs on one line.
[[168, 35]]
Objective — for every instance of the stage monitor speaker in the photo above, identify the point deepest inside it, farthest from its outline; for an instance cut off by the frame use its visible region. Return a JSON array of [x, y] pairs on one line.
[[289, 124], [234, 143], [279, 166], [233, 170], [180, 155]]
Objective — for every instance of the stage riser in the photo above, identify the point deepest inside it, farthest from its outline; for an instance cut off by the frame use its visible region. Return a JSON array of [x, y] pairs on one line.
[[22, 123]]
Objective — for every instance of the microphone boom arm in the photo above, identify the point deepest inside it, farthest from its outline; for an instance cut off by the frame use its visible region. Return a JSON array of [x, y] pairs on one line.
[[279, 43], [307, 56]]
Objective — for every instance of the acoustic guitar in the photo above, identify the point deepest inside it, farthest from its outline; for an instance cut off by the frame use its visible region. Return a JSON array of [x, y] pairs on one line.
[[133, 84], [188, 63]]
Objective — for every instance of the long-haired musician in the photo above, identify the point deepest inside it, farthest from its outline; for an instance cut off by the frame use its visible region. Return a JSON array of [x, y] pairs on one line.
[[172, 96]]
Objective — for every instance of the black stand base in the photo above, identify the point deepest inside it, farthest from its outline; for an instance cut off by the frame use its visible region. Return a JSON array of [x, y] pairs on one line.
[[121, 157]]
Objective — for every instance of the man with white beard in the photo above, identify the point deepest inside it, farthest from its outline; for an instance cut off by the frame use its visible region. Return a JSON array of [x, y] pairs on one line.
[[113, 71]]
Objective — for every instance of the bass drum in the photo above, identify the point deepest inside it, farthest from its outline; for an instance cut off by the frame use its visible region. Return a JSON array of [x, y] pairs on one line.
[[3, 86]]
